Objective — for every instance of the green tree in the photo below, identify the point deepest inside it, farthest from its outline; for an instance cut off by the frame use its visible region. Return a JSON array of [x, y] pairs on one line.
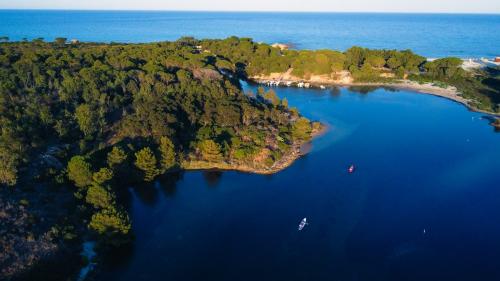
[[375, 61], [210, 150], [272, 97], [167, 151], [146, 161], [79, 171], [112, 224], [301, 129], [394, 62], [354, 57], [116, 157], [102, 176], [100, 197], [284, 102], [38, 40], [60, 41], [87, 119], [445, 68], [8, 166], [8, 173]]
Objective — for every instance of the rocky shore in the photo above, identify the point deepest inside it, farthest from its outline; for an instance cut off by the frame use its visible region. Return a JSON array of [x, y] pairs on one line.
[[297, 150]]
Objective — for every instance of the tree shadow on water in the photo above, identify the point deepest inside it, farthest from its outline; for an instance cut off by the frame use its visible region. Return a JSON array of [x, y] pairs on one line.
[[335, 92], [147, 193], [364, 90], [212, 178], [118, 258], [168, 183], [492, 122]]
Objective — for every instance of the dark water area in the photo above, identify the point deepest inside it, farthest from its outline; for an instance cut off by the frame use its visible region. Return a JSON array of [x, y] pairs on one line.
[[422, 205], [431, 35]]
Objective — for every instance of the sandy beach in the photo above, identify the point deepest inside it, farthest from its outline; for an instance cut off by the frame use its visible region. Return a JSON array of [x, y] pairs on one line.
[[343, 79]]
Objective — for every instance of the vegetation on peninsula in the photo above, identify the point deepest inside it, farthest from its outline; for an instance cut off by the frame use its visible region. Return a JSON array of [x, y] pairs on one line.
[[364, 65], [90, 119]]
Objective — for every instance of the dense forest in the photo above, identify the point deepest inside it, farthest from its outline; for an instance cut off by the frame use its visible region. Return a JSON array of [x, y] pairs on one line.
[[80, 121], [363, 65], [90, 118]]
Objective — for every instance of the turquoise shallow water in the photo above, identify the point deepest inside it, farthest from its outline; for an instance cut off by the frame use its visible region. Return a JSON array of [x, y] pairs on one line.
[[432, 35], [424, 163]]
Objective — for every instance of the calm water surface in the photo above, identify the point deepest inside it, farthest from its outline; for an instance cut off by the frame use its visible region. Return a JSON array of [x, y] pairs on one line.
[[424, 163], [432, 35]]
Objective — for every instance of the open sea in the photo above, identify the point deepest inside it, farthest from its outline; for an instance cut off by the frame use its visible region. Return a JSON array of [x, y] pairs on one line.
[[423, 204], [431, 35]]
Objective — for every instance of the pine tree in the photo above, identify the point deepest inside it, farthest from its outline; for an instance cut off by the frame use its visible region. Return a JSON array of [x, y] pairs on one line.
[[284, 103], [87, 120], [167, 151], [146, 161], [210, 151], [271, 97], [79, 171], [102, 176], [116, 157], [113, 224], [302, 129], [100, 197]]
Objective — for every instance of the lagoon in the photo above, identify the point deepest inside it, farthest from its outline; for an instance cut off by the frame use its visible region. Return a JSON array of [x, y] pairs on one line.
[[424, 163]]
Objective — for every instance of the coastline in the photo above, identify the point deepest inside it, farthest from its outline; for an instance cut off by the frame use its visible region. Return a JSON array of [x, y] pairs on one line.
[[450, 93], [297, 150]]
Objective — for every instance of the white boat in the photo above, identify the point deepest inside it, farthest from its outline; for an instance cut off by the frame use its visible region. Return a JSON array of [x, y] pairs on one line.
[[351, 169], [303, 224], [490, 63]]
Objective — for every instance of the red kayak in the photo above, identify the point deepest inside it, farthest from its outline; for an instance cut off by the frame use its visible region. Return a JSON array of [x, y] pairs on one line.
[[351, 169]]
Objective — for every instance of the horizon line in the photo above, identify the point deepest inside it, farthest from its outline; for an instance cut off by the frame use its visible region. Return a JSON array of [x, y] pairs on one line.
[[250, 11]]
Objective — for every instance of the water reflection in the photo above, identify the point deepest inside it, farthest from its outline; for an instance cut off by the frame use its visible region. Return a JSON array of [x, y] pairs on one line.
[[491, 121], [212, 178], [335, 92], [369, 89], [168, 183], [147, 193], [118, 258], [362, 89]]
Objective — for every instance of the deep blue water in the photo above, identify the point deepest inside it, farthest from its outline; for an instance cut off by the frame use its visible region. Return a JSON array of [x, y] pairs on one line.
[[431, 35], [423, 163]]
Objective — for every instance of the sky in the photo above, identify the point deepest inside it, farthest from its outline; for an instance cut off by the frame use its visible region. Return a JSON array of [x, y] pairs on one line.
[[432, 6]]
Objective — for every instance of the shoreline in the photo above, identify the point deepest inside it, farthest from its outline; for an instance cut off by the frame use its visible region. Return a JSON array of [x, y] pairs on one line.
[[296, 152], [450, 93]]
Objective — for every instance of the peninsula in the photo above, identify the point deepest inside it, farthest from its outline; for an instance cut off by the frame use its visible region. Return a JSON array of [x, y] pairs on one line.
[[477, 86], [82, 121]]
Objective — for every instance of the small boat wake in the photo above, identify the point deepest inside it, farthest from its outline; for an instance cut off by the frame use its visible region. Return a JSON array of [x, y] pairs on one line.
[[303, 224]]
